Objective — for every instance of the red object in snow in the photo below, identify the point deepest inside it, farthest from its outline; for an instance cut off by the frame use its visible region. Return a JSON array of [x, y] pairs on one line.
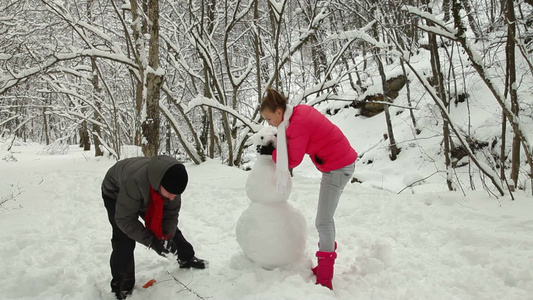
[[149, 283]]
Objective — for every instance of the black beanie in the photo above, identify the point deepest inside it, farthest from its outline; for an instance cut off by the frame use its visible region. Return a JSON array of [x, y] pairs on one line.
[[175, 179]]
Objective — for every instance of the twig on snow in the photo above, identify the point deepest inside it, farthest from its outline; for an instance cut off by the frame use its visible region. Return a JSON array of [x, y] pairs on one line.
[[410, 185], [185, 286]]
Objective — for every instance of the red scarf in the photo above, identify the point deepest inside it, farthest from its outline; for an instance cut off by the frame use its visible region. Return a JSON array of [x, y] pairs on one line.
[[153, 219]]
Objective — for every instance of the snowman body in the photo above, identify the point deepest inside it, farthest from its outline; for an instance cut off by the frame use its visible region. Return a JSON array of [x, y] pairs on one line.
[[271, 232]]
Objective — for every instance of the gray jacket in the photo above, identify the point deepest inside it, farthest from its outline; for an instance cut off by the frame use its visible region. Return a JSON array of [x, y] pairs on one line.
[[129, 181]]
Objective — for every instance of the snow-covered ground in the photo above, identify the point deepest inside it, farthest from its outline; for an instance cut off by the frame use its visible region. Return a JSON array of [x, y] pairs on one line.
[[419, 244], [400, 233]]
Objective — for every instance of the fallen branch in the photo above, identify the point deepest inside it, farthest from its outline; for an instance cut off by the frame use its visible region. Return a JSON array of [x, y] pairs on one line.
[[185, 286], [417, 181], [15, 191]]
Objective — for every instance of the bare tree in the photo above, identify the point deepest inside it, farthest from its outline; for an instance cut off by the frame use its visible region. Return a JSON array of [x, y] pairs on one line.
[[438, 82], [511, 86], [154, 80]]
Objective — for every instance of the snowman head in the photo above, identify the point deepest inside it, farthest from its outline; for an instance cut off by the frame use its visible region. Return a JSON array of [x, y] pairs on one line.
[[265, 136], [261, 185]]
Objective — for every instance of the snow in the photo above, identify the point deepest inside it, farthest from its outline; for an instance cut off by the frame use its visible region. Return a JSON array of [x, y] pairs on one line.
[[423, 244]]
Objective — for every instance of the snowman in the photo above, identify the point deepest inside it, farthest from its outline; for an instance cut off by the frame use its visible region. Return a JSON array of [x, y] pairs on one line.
[[271, 232]]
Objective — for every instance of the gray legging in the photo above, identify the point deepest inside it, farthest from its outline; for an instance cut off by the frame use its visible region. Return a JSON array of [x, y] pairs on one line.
[[331, 187]]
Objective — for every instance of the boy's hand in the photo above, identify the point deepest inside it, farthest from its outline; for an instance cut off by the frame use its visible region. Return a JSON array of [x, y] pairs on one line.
[[159, 247]]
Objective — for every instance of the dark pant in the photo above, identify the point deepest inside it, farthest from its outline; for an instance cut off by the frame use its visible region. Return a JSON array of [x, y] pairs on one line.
[[122, 261]]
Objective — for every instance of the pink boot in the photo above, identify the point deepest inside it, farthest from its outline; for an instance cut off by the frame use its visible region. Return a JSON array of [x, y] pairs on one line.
[[315, 268], [324, 269]]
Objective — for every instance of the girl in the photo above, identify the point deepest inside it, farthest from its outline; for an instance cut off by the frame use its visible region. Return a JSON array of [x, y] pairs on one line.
[[304, 130]]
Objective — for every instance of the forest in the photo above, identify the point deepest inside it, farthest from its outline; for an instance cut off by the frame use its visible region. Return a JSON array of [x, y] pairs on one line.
[[185, 78]]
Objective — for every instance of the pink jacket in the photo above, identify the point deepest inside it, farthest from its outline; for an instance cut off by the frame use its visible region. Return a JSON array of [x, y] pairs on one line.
[[311, 132]]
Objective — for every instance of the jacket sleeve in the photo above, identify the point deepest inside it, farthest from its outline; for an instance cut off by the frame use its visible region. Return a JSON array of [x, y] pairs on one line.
[[297, 140], [127, 217], [170, 215]]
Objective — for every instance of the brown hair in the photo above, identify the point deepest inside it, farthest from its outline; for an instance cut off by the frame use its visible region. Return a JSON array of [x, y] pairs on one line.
[[273, 100]]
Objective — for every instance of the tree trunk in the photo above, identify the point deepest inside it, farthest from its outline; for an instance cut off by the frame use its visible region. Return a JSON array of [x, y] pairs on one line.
[[470, 15], [502, 148], [208, 139], [446, 9], [96, 90], [212, 134], [392, 141], [96, 137], [409, 103], [438, 83], [276, 30], [97, 132], [140, 29], [45, 125], [511, 73], [154, 81], [319, 58], [168, 139], [258, 54], [84, 137], [204, 134]]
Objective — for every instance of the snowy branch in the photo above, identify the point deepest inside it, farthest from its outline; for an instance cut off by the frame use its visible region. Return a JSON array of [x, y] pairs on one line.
[[201, 100], [11, 80], [189, 148], [444, 30]]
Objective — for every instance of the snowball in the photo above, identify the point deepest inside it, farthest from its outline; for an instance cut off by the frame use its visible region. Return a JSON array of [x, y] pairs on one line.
[[261, 183], [272, 235]]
